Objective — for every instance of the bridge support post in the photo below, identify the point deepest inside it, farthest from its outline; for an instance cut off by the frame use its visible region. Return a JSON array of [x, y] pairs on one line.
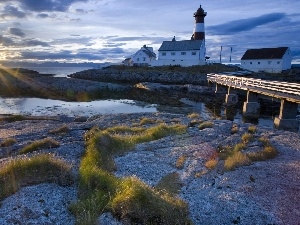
[[251, 107], [231, 97], [287, 116]]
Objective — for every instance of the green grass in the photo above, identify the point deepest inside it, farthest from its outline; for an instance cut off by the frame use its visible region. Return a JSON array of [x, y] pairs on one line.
[[206, 124], [38, 145], [29, 171], [126, 198], [8, 142]]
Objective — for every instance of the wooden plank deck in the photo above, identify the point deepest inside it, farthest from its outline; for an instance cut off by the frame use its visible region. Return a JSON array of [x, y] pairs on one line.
[[276, 89]]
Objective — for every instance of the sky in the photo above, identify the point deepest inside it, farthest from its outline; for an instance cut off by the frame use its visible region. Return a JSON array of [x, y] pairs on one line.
[[110, 30]]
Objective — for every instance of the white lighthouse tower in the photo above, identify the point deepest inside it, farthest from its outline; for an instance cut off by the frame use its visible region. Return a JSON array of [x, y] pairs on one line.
[[199, 29]]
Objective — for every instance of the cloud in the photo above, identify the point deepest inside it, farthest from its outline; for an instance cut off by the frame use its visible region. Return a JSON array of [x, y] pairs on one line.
[[42, 15], [48, 5], [12, 12], [4, 41], [34, 42], [237, 26], [16, 31]]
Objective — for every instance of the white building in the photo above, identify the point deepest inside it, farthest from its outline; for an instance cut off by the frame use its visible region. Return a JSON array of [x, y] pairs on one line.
[[142, 57], [271, 60], [183, 53]]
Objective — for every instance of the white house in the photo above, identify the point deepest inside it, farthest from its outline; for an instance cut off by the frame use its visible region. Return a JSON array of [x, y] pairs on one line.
[[183, 53], [142, 57], [271, 60]]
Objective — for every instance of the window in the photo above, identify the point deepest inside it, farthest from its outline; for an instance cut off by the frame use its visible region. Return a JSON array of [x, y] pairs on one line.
[[194, 53], [138, 59], [173, 53], [251, 63], [163, 54], [258, 63], [278, 62], [269, 62], [183, 53], [144, 59]]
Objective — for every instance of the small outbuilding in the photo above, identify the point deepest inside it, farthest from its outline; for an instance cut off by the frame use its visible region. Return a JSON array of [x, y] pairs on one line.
[[271, 60], [142, 57]]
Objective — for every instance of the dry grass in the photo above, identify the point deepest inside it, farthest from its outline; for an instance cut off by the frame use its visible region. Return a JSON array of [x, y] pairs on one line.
[[206, 124], [211, 164], [64, 129], [29, 171], [268, 152], [40, 144], [247, 137], [146, 120], [193, 116], [180, 162], [8, 142], [252, 129], [237, 159]]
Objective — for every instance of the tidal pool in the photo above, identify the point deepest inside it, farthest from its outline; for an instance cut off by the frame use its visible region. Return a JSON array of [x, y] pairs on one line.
[[49, 107]]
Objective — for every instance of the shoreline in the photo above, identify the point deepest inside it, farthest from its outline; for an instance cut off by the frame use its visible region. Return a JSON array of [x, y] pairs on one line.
[[214, 197]]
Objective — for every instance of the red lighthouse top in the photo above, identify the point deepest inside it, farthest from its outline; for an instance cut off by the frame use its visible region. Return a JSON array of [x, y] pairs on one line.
[[200, 12]]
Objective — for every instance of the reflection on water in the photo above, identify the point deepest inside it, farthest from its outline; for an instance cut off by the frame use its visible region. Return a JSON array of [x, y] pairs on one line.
[[48, 107], [234, 114]]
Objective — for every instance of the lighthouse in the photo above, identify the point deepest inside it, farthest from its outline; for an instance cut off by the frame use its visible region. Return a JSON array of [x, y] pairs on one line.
[[199, 31]]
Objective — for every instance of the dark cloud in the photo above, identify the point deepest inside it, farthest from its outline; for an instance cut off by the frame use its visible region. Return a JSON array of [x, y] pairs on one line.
[[48, 5], [12, 12], [237, 26], [81, 54], [4, 41], [34, 42], [43, 15], [16, 31], [113, 45]]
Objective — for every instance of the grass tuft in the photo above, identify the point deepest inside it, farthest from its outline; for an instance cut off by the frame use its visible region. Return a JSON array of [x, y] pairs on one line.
[[8, 142], [252, 129], [128, 198], [29, 171], [40, 144], [268, 152], [180, 162], [211, 164], [64, 129], [206, 124], [146, 120], [237, 159], [247, 137], [193, 116]]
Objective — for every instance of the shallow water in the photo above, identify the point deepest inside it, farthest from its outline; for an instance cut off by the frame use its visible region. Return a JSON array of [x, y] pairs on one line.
[[49, 107]]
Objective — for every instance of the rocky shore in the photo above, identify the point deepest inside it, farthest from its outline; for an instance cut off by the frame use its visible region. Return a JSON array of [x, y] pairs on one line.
[[265, 192]]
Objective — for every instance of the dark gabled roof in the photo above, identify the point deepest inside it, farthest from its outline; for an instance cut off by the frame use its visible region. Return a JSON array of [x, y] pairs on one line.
[[149, 53], [265, 53], [180, 45]]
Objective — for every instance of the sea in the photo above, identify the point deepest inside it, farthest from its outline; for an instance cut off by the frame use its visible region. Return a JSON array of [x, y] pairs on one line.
[[58, 71]]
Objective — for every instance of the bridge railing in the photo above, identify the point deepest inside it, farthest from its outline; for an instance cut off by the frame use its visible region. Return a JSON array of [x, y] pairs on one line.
[[252, 83]]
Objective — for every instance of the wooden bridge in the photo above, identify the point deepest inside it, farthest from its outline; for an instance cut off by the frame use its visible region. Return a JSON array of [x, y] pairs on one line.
[[287, 93]]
